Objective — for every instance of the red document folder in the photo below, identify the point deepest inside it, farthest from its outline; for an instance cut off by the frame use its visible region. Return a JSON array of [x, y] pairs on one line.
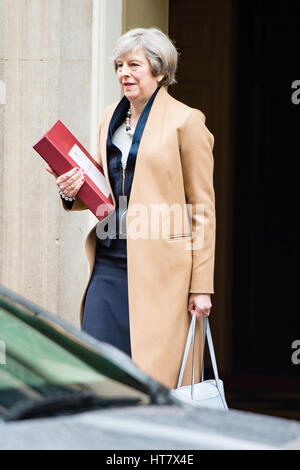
[[62, 151]]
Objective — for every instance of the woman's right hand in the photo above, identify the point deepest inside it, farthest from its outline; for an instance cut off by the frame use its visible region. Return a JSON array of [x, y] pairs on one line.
[[69, 183]]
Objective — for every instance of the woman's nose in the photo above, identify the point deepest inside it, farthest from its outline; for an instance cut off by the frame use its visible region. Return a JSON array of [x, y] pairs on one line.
[[125, 70]]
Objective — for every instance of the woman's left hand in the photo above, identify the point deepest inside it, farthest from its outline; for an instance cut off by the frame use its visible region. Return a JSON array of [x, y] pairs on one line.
[[201, 304]]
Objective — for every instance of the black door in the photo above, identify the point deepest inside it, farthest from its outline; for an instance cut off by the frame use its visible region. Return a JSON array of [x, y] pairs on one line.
[[266, 307]]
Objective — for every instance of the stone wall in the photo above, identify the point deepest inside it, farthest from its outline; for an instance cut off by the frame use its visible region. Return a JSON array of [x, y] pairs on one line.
[[45, 64]]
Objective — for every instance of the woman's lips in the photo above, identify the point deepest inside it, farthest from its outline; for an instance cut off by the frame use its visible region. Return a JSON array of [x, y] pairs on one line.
[[129, 84]]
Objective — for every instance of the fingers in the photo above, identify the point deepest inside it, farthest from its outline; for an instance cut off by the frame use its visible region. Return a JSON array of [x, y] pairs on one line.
[[201, 312], [51, 171], [70, 183], [200, 304]]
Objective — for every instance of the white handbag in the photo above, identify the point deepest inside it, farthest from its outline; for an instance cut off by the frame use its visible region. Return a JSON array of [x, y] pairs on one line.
[[207, 393]]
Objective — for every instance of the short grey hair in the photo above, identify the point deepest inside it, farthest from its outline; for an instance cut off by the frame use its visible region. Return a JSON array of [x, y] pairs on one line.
[[158, 48]]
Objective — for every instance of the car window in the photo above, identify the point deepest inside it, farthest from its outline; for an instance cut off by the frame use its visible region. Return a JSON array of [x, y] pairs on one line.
[[37, 368]]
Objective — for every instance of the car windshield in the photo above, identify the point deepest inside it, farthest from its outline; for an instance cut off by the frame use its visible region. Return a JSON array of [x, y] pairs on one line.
[[44, 361]]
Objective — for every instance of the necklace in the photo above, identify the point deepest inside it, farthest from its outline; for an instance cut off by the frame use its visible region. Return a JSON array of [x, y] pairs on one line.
[[128, 129]]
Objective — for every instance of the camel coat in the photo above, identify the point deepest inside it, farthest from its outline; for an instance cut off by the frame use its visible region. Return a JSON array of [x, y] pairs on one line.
[[174, 166]]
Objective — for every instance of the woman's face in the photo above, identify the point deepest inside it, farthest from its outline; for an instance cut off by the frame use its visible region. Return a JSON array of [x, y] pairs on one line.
[[135, 76]]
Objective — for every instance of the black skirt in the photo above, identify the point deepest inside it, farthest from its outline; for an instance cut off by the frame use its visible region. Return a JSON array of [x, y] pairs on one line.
[[106, 309]]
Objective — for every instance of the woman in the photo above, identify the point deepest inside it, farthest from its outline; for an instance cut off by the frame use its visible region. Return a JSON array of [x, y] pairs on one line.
[[155, 152]]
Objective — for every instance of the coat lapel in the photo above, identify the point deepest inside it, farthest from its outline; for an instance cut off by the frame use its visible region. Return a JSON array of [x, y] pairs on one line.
[[112, 121], [103, 151], [152, 133], [146, 129]]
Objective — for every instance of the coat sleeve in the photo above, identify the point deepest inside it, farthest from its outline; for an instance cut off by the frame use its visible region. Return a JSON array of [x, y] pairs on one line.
[[78, 205], [196, 145]]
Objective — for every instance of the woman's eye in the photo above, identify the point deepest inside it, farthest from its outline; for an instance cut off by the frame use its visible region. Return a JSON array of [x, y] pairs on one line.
[[132, 64]]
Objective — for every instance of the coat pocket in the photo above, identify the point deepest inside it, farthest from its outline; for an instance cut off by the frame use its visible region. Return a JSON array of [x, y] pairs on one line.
[[181, 236]]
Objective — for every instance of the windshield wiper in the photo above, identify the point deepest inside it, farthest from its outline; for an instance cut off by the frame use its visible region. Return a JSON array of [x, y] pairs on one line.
[[73, 402]]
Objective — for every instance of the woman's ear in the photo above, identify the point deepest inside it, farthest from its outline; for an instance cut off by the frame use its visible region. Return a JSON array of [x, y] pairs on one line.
[[159, 78]]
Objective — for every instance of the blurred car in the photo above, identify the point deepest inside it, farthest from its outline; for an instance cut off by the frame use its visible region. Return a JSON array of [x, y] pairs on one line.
[[62, 389]]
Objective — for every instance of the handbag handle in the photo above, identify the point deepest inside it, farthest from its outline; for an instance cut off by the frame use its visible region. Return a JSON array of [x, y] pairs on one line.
[[190, 337]]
